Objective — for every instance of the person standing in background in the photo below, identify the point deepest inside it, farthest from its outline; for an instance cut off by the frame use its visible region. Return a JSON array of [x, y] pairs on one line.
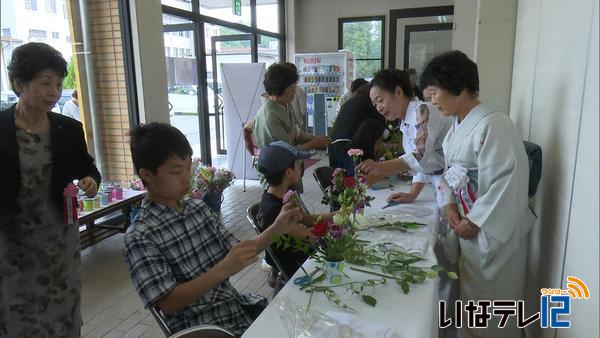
[[40, 154], [71, 107], [354, 88]]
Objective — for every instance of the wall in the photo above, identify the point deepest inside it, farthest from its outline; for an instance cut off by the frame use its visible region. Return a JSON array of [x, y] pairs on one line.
[[485, 31], [149, 60], [111, 94], [555, 104], [316, 24]]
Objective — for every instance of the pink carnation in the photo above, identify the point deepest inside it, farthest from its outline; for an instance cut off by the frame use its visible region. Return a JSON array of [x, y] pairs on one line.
[[355, 152], [287, 196]]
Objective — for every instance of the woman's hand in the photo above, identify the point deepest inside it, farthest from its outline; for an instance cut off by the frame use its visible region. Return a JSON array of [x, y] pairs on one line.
[[369, 167], [453, 215], [88, 185], [402, 197], [466, 229]]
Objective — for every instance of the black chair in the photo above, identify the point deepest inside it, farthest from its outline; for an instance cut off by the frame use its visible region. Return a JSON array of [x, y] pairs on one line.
[[323, 177], [252, 215], [199, 331], [534, 155], [204, 331], [160, 319]]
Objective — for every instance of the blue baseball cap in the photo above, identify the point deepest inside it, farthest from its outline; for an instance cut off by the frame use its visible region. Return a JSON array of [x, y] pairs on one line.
[[277, 156]]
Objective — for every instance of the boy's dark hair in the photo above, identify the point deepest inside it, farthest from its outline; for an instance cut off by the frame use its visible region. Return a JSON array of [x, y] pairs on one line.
[[389, 79], [74, 93], [357, 83], [152, 145], [277, 178], [32, 58], [366, 137], [278, 77], [452, 71]]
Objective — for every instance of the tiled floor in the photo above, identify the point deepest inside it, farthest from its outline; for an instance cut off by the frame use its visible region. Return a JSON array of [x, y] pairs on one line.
[[110, 305]]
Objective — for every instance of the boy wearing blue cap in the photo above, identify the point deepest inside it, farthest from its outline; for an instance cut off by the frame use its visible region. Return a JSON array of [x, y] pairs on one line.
[[280, 163]]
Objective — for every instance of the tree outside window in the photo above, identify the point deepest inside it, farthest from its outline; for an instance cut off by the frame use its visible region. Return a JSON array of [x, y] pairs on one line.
[[364, 37]]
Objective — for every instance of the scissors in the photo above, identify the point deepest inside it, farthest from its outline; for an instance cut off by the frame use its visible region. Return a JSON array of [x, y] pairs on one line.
[[390, 204], [306, 279]]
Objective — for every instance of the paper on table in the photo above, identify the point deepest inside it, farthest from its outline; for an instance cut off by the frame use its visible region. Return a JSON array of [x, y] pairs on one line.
[[355, 327], [415, 243]]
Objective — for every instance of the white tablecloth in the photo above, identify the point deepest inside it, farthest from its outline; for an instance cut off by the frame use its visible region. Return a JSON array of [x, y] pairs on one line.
[[411, 315]]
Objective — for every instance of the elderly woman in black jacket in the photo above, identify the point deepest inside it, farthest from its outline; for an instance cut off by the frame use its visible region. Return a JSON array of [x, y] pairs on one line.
[[40, 153]]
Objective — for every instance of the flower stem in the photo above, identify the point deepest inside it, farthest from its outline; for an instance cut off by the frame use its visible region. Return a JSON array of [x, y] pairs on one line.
[[374, 273]]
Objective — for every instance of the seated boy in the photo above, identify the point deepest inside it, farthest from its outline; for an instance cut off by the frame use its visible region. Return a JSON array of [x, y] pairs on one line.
[[179, 254], [280, 163]]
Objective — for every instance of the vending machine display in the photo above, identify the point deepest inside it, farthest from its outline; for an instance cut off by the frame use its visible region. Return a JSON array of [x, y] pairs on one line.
[[324, 73]]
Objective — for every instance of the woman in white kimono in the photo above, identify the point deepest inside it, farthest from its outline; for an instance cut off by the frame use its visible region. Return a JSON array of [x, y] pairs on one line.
[[485, 184]]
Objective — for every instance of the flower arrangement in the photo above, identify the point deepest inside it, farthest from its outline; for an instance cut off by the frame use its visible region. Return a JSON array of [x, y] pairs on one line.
[[338, 243], [209, 179], [392, 140], [135, 183]]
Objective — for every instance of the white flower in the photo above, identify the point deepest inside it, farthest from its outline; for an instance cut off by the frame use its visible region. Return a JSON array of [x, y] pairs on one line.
[[456, 176], [386, 134]]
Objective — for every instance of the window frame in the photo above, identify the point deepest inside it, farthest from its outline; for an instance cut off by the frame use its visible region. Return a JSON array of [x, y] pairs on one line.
[[31, 5], [342, 21], [197, 26]]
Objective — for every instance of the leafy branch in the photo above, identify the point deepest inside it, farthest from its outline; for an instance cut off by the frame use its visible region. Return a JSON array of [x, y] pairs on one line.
[[352, 287]]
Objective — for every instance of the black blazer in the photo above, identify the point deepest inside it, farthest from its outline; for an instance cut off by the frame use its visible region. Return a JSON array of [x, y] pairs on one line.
[[70, 159]]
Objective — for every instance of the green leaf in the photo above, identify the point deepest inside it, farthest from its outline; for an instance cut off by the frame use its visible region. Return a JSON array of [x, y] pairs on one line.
[[452, 275], [432, 274], [404, 286], [437, 268], [369, 300]]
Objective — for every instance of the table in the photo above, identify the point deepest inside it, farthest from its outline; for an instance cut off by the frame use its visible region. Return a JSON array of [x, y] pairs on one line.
[[87, 219], [410, 315]]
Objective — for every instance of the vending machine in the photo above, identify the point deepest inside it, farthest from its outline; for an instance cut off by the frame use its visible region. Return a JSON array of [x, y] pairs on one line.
[[324, 73]]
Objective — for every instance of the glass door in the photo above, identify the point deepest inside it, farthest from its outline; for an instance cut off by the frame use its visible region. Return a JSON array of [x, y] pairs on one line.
[[237, 48], [182, 78]]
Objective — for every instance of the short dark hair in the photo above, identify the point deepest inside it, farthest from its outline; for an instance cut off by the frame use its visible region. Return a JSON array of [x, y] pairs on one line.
[[452, 71], [32, 58], [357, 83], [389, 79], [292, 66], [410, 71], [366, 137], [278, 77], [152, 144], [276, 178], [74, 93]]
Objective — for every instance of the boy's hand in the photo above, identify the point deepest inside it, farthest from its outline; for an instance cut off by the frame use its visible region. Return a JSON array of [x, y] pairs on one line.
[[240, 256], [287, 219]]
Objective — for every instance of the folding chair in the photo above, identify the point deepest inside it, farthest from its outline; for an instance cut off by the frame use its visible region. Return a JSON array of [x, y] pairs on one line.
[[204, 331], [323, 177], [199, 331], [160, 319], [252, 215], [252, 149]]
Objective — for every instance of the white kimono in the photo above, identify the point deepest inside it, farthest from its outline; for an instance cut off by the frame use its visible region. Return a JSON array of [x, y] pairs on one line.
[[487, 175]]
